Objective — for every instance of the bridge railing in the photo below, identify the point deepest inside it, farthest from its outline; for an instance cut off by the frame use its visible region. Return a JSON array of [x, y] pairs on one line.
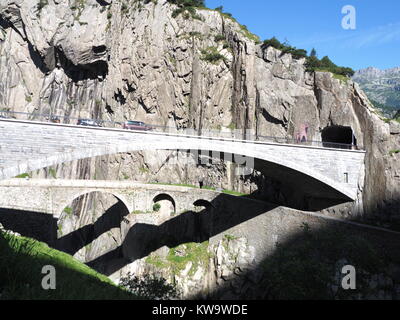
[[237, 134]]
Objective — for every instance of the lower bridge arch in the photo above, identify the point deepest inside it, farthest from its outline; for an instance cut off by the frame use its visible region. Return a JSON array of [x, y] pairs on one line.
[[163, 202], [203, 204], [90, 226]]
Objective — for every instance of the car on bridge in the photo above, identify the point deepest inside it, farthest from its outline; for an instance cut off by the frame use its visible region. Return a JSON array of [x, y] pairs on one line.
[[88, 123], [55, 119], [136, 125]]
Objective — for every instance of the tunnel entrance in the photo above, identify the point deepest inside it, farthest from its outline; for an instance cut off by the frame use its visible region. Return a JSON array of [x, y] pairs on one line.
[[338, 137]]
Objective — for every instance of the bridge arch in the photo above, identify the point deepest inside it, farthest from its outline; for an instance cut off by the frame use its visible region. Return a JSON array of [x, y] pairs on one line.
[[88, 218], [77, 194], [166, 203], [246, 148], [203, 203], [316, 166], [339, 190]]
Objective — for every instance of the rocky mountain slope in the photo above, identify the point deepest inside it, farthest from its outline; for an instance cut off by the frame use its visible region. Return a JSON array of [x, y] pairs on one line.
[[198, 69], [381, 86], [143, 60]]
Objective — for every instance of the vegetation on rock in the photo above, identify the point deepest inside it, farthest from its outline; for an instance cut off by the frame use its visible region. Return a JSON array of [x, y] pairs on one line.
[[149, 287], [21, 263], [187, 8], [178, 258], [312, 63], [212, 55], [325, 64], [285, 48]]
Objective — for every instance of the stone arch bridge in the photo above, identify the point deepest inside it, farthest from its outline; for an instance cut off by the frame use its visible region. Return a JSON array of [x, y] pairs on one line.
[[317, 172], [52, 196]]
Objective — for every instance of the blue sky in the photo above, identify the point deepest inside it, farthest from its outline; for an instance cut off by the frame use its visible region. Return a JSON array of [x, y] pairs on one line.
[[318, 23]]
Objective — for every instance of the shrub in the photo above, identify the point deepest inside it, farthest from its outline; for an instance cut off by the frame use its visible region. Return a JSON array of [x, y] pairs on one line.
[[285, 48], [212, 55], [187, 7], [312, 63], [325, 64], [124, 8], [273, 42], [219, 37], [68, 210], [41, 4], [149, 287], [156, 207], [188, 3]]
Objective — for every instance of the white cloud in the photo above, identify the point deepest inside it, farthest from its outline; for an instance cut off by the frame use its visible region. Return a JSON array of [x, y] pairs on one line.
[[358, 38]]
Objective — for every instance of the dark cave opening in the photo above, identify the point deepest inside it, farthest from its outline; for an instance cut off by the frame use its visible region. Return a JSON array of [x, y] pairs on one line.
[[335, 136], [91, 71], [99, 49]]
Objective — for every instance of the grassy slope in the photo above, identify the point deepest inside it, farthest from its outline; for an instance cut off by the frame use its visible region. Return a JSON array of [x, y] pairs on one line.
[[21, 263]]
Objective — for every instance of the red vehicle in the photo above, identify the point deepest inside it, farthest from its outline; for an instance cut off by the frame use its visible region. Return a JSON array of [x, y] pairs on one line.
[[136, 125]]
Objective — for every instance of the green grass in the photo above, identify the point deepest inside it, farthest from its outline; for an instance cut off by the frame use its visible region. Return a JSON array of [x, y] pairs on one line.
[[175, 184], [53, 173], [229, 237], [234, 193], [68, 210], [340, 77], [243, 29], [23, 175], [156, 261], [142, 212], [232, 126], [197, 253], [392, 152], [212, 55], [179, 257], [21, 263], [144, 170], [249, 35]]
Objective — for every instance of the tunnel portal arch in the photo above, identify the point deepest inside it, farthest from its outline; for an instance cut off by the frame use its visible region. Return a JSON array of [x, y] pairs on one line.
[[338, 137]]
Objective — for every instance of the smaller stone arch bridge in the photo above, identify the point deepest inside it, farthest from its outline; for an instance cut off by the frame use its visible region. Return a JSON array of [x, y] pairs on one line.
[[52, 196]]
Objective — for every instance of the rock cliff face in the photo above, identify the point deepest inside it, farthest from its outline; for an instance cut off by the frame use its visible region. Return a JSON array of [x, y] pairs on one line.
[[114, 61], [117, 61]]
